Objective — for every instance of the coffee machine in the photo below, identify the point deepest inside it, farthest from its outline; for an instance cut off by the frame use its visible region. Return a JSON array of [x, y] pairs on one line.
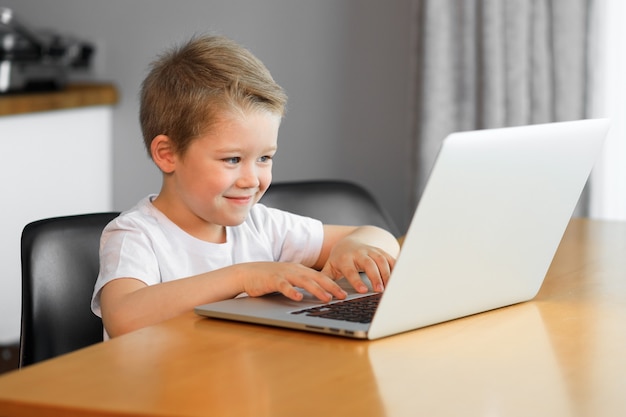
[[36, 60]]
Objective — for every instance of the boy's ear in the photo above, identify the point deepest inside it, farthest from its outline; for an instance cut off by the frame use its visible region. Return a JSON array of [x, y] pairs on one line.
[[163, 154]]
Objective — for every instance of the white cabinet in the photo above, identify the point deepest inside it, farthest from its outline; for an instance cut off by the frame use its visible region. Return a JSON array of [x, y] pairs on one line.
[[55, 163]]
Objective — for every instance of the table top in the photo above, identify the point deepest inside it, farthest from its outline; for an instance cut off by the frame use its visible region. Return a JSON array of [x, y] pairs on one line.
[[561, 354]]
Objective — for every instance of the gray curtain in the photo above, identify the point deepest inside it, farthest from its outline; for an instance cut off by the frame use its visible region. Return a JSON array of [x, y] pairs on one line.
[[495, 63]]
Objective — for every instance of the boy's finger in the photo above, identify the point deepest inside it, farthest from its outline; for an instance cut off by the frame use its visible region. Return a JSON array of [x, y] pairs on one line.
[[332, 287], [321, 287], [354, 278]]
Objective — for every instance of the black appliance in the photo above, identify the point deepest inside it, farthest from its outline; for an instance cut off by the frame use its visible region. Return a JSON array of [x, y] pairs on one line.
[[36, 60]]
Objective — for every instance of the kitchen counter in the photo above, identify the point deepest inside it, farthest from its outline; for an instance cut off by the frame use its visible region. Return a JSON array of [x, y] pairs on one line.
[[73, 96]]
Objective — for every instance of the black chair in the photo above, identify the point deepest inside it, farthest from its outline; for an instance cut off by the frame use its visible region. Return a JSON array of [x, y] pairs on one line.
[[331, 201], [60, 262], [59, 268]]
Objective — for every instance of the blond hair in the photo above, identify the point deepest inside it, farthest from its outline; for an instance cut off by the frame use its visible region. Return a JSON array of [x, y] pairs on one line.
[[189, 88]]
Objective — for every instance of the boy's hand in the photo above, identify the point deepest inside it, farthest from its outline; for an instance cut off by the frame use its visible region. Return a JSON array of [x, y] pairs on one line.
[[349, 257], [260, 278]]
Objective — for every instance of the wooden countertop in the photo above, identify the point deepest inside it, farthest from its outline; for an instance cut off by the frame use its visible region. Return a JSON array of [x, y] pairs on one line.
[[72, 96]]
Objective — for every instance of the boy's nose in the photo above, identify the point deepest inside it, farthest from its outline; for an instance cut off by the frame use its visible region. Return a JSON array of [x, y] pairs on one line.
[[249, 178]]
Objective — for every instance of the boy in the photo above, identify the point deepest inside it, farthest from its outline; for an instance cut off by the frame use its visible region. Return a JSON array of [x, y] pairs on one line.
[[210, 113]]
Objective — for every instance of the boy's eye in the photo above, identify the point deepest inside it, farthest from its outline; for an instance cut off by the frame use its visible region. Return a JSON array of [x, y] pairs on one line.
[[265, 158], [234, 160]]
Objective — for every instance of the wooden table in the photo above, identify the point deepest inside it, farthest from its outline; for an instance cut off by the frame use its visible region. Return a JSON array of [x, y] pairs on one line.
[[562, 354]]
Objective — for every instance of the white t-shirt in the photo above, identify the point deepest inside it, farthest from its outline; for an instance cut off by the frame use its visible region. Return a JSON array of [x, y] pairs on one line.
[[143, 243]]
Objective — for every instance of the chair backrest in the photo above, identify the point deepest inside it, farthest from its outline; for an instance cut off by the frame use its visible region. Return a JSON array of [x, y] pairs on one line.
[[60, 265], [331, 201]]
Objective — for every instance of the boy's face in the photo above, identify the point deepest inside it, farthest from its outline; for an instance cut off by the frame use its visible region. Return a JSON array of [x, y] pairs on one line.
[[225, 172]]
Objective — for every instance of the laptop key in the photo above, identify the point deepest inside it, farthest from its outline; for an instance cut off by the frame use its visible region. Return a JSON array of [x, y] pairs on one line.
[[357, 310]]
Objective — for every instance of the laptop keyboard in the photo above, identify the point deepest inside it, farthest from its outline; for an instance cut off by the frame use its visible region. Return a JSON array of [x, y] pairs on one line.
[[357, 310]]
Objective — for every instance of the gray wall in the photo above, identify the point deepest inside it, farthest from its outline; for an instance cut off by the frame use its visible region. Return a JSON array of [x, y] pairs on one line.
[[344, 63]]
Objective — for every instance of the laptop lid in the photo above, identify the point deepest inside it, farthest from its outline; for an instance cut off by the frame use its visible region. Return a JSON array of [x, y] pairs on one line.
[[482, 237]]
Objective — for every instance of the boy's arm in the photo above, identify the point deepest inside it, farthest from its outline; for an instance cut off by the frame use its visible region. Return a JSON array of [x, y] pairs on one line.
[[348, 250], [128, 304]]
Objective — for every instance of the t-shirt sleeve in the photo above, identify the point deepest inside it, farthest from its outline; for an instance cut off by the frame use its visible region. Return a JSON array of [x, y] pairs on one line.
[[125, 252]]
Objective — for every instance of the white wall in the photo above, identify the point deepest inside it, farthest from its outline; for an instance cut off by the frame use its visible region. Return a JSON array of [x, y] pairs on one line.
[[344, 64]]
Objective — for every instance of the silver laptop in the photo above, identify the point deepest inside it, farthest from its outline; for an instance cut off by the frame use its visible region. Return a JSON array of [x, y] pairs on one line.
[[483, 236]]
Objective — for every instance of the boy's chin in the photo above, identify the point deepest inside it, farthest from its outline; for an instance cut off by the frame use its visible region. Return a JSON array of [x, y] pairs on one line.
[[235, 221]]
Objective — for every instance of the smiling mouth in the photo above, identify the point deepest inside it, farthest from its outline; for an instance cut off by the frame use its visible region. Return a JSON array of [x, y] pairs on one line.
[[242, 199]]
